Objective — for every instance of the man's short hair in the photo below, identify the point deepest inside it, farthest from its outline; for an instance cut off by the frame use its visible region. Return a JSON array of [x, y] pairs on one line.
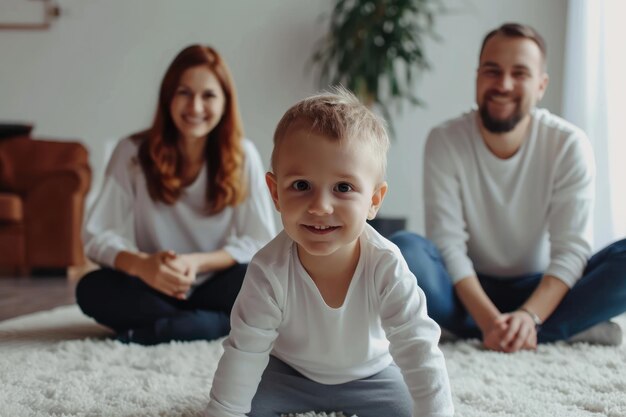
[[517, 30], [340, 115]]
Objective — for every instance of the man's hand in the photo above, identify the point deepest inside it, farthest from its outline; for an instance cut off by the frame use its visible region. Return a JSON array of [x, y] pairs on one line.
[[493, 333], [165, 272], [521, 332], [511, 332]]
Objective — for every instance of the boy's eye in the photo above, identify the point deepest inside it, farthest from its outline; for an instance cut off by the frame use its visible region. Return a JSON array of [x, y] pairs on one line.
[[343, 187], [300, 185]]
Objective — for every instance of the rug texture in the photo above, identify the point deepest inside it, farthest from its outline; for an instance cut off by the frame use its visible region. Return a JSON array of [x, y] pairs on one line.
[[60, 363]]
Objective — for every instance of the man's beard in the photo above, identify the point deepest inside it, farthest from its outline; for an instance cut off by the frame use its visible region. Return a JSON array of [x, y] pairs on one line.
[[499, 125]]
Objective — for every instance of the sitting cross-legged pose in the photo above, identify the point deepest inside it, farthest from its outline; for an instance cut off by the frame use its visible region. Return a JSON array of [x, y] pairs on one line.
[[183, 208], [329, 317], [508, 194]]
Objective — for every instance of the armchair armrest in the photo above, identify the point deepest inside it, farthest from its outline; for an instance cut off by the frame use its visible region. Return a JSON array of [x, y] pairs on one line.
[[63, 180], [27, 161], [54, 207]]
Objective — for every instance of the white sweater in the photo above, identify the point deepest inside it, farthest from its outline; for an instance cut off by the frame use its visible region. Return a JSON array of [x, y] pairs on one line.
[[531, 213], [124, 217], [383, 318]]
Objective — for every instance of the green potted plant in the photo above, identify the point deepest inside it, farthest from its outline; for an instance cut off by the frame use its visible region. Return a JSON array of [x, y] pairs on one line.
[[376, 49]]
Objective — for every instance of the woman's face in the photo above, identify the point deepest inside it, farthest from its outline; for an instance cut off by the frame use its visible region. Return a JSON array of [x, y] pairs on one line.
[[198, 103]]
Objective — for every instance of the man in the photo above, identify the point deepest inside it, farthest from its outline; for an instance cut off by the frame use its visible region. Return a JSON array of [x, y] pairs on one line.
[[508, 191]]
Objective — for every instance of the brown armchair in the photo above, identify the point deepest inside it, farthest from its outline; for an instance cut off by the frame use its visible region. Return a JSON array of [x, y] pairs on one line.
[[43, 185]]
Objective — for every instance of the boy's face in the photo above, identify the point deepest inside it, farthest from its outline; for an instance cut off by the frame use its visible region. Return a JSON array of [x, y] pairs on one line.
[[325, 190]]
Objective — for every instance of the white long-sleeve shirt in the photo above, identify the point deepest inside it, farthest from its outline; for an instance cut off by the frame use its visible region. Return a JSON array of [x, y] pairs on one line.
[[383, 318], [124, 217], [531, 213]]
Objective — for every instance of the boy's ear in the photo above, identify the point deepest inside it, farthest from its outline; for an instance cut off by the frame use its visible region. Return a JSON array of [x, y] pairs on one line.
[[377, 199], [270, 180]]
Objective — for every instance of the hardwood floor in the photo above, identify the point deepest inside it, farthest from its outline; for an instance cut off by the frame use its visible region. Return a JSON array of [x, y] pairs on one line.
[[25, 295]]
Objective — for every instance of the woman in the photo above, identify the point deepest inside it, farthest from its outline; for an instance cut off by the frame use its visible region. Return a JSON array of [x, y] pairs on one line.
[[183, 208]]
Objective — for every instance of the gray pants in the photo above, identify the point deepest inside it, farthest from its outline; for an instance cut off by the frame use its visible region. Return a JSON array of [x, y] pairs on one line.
[[285, 390]]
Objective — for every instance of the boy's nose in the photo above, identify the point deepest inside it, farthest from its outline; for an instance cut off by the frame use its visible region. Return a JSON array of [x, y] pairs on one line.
[[321, 204]]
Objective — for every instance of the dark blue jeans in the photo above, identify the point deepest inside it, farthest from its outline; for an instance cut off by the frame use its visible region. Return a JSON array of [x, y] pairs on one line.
[[124, 302], [598, 296]]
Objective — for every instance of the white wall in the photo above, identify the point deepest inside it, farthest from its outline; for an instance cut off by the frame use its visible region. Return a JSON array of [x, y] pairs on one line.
[[94, 75]]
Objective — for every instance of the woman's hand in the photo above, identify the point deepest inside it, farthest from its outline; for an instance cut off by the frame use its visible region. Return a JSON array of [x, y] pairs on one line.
[[192, 264], [170, 273], [166, 273], [187, 264]]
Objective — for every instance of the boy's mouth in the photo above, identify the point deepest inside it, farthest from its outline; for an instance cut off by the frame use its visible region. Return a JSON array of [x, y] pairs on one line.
[[320, 229]]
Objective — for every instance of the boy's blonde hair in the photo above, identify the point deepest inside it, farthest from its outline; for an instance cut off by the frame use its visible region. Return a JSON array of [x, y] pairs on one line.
[[340, 115]]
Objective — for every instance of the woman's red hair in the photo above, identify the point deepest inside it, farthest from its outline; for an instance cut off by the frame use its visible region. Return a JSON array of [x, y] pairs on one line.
[[160, 156]]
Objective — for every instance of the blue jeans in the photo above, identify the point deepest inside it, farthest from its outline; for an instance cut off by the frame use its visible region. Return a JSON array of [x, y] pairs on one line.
[[598, 296], [124, 302]]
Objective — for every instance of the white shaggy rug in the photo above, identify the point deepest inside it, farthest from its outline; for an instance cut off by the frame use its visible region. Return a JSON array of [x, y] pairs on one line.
[[59, 363]]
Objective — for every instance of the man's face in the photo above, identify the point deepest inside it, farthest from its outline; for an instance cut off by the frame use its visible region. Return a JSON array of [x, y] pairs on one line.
[[509, 83]]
